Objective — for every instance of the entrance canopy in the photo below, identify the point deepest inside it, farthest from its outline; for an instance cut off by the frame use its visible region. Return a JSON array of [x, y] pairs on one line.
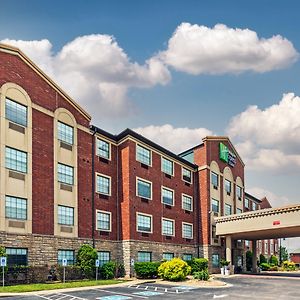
[[262, 224]]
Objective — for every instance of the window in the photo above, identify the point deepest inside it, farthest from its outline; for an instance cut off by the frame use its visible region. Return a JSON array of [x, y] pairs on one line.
[[246, 202], [65, 174], [228, 209], [144, 223], [247, 243], [144, 189], [239, 192], [214, 179], [215, 258], [144, 256], [143, 155], [187, 202], [15, 160], [104, 257], [215, 205], [168, 227], [213, 231], [16, 256], [167, 166], [186, 175], [254, 206], [66, 254], [15, 208], [239, 211], [168, 256], [167, 196], [65, 133], [103, 185], [187, 257], [187, 230], [65, 215], [16, 112], [266, 247], [228, 186], [103, 221], [103, 149]]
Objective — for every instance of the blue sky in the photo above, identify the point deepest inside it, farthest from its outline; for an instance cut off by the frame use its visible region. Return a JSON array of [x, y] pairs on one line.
[[168, 99]]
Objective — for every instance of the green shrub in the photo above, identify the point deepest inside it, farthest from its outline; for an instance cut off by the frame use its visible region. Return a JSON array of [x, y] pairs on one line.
[[174, 270], [224, 263], [273, 268], [265, 266], [86, 258], [108, 270], [146, 269], [120, 271], [202, 275], [198, 264], [289, 265], [273, 260], [262, 259]]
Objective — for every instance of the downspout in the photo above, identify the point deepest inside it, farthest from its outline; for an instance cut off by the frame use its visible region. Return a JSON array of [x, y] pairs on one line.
[[198, 213], [93, 185]]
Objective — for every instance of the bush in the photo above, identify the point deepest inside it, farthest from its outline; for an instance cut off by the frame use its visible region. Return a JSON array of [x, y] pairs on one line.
[[174, 270], [289, 265], [120, 270], [86, 258], [72, 272], [265, 266], [262, 259], [108, 270], [273, 260], [198, 264], [202, 275], [249, 260], [146, 269], [224, 263]]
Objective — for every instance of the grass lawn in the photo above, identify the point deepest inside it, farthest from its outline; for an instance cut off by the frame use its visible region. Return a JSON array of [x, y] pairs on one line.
[[52, 286]]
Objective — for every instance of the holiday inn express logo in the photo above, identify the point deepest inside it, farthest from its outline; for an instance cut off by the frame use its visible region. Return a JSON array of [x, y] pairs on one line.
[[226, 155]]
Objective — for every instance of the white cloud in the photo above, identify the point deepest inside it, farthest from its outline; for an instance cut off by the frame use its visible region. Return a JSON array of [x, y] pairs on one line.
[[275, 200], [202, 50], [96, 71], [269, 139], [174, 139]]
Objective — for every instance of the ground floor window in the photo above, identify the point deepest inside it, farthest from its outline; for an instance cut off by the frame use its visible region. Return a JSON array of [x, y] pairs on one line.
[[69, 255], [16, 256], [215, 259], [168, 256], [239, 260], [187, 257], [104, 257], [144, 256]]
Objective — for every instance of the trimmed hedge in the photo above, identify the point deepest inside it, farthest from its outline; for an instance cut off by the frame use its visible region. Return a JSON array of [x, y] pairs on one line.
[[198, 264], [146, 270], [174, 270]]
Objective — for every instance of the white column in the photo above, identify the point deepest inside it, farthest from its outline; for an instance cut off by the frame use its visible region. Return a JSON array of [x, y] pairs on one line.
[[228, 249]]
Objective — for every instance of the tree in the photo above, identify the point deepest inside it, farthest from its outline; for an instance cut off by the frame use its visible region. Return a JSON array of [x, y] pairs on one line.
[[283, 254], [86, 259]]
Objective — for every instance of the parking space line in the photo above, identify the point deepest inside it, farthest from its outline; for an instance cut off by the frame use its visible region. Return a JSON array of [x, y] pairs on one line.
[[172, 290], [123, 294], [59, 296]]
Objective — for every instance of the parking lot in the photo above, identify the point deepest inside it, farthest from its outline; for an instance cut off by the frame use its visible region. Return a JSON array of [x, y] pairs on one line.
[[242, 287]]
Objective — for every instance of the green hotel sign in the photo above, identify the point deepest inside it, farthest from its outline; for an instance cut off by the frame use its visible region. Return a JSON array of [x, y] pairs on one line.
[[226, 155]]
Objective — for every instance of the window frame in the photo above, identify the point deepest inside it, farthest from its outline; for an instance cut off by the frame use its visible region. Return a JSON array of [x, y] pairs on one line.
[[246, 201], [16, 169], [109, 187], [137, 146], [190, 224], [14, 121], [168, 253], [211, 176], [73, 175], [182, 175], [16, 208], [104, 261], [239, 210], [109, 148], [225, 186], [238, 188], [16, 248], [137, 179], [162, 227], [187, 254], [212, 260], [161, 160], [169, 190], [226, 205], [69, 207], [110, 219], [144, 215], [192, 202], [58, 131], [213, 199], [66, 250], [148, 252]]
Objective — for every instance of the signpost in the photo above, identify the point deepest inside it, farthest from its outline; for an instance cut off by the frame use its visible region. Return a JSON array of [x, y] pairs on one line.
[[64, 263], [97, 264], [3, 263]]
